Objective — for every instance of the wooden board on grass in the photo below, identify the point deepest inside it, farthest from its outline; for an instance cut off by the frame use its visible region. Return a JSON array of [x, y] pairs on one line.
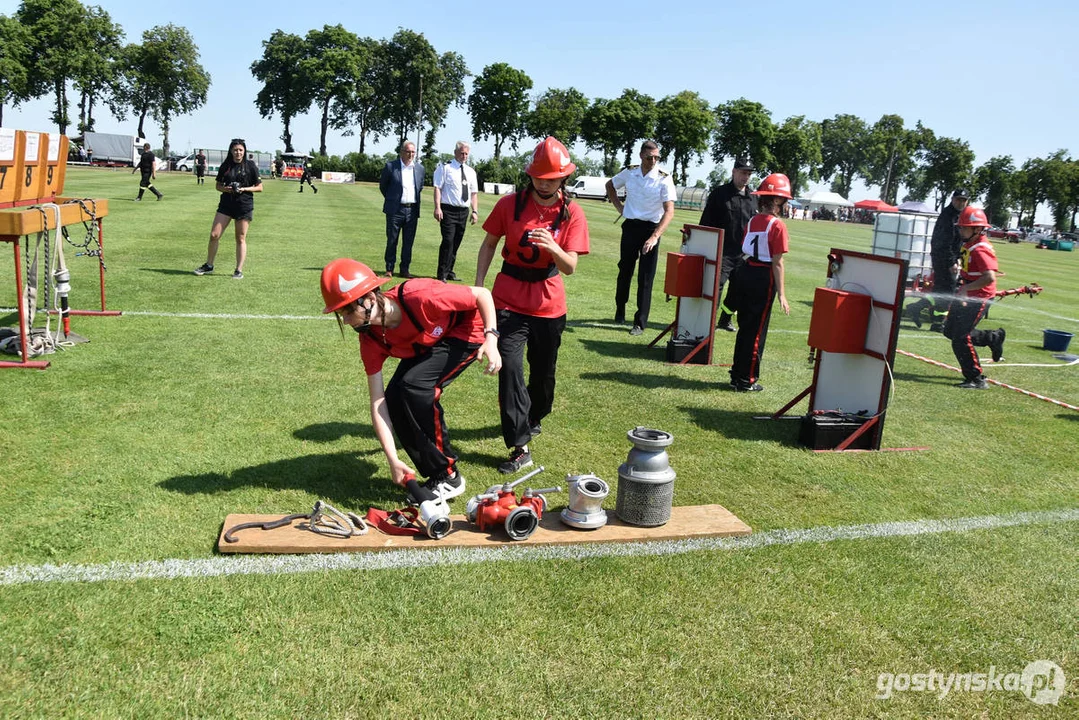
[[695, 521]]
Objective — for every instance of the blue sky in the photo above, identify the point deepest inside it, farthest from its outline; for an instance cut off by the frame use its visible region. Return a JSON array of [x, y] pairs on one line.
[[1000, 75]]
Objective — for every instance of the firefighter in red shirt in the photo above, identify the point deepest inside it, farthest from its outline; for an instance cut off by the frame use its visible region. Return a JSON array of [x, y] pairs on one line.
[[545, 233], [759, 281], [437, 330], [978, 275]]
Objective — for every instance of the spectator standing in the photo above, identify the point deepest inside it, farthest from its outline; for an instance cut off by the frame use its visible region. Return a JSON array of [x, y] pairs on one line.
[[200, 168], [648, 209], [237, 180], [545, 233], [730, 207], [148, 167], [456, 205], [89, 155], [401, 184]]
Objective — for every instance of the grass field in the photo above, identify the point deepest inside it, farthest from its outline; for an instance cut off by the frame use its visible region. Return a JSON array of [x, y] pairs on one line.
[[210, 396]]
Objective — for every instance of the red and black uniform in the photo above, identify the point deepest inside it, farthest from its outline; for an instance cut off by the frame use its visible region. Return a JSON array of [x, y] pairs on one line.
[[976, 257], [531, 302], [438, 337], [766, 239]]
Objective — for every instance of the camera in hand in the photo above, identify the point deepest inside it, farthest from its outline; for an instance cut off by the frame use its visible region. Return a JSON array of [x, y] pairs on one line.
[[235, 188]]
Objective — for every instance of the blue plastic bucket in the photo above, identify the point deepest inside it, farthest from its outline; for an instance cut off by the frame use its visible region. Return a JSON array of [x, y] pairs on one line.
[[1056, 340]]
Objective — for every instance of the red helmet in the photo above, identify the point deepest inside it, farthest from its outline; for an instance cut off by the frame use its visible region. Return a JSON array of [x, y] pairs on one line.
[[972, 217], [550, 160], [344, 281], [775, 184]]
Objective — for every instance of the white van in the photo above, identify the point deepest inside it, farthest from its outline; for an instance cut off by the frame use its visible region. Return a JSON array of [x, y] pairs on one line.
[[588, 186]]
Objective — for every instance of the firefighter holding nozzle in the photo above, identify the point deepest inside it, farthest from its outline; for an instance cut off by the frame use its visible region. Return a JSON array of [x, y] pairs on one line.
[[978, 278]]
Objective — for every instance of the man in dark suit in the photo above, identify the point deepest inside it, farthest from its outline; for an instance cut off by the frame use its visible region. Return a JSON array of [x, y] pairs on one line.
[[401, 184]]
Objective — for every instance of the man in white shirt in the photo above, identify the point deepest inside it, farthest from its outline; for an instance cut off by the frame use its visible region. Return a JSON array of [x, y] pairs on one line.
[[401, 183], [648, 209], [456, 204]]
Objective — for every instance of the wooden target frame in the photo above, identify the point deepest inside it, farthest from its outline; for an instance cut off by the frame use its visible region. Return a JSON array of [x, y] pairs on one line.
[[695, 316], [860, 381]]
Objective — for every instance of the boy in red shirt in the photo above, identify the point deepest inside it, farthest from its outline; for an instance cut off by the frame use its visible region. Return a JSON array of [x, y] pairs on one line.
[[978, 273]]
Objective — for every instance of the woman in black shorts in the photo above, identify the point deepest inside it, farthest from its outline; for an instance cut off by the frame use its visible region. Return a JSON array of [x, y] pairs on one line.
[[237, 179]]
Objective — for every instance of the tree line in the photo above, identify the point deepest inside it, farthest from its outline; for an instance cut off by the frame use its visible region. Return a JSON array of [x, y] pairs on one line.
[[395, 87], [50, 46]]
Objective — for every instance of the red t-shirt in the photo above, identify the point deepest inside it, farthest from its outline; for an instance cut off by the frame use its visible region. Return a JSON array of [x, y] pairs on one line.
[[545, 298], [765, 226], [442, 310], [975, 258]]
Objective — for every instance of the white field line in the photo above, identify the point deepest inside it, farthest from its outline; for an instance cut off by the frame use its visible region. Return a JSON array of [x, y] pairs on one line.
[[208, 316], [405, 559]]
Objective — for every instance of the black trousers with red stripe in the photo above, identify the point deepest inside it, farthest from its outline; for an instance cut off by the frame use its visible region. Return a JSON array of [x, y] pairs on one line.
[[960, 328], [756, 291], [524, 404], [413, 398]]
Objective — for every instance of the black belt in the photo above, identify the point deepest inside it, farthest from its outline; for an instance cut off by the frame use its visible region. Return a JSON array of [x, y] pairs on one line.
[[407, 204], [526, 274]]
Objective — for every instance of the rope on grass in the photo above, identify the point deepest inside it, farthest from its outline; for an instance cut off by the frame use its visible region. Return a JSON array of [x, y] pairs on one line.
[[991, 380]]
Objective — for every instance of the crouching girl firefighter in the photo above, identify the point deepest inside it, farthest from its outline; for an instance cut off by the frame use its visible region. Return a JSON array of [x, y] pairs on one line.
[[978, 273], [437, 330]]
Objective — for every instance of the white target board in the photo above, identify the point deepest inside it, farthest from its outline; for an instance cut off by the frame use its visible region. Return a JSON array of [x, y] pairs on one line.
[[859, 382], [697, 315]]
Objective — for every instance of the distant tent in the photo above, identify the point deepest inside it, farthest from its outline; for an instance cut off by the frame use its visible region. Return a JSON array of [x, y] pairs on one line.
[[875, 206], [917, 206], [825, 198]]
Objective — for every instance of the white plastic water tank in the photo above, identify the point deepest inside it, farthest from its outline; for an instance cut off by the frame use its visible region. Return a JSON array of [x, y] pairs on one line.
[[908, 236]]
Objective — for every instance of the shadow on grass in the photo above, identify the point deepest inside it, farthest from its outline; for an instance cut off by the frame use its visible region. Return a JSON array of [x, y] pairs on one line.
[[657, 381], [168, 271], [333, 431], [930, 379], [740, 425], [631, 347], [343, 478]]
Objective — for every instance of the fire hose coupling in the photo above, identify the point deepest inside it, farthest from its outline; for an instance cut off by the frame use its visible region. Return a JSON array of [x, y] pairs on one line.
[[435, 518], [586, 494], [499, 506]]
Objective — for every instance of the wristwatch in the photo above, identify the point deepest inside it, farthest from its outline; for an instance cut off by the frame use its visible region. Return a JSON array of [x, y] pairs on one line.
[[492, 331]]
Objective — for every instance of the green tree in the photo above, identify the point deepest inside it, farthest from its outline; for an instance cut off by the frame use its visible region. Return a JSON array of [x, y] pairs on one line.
[[446, 89], [889, 155], [684, 123], [843, 151], [332, 68], [283, 90], [498, 104], [599, 132], [993, 181], [358, 112], [948, 164], [633, 118], [744, 129], [14, 58], [410, 69], [558, 113], [59, 41], [177, 84], [1029, 186], [796, 151], [1061, 188]]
